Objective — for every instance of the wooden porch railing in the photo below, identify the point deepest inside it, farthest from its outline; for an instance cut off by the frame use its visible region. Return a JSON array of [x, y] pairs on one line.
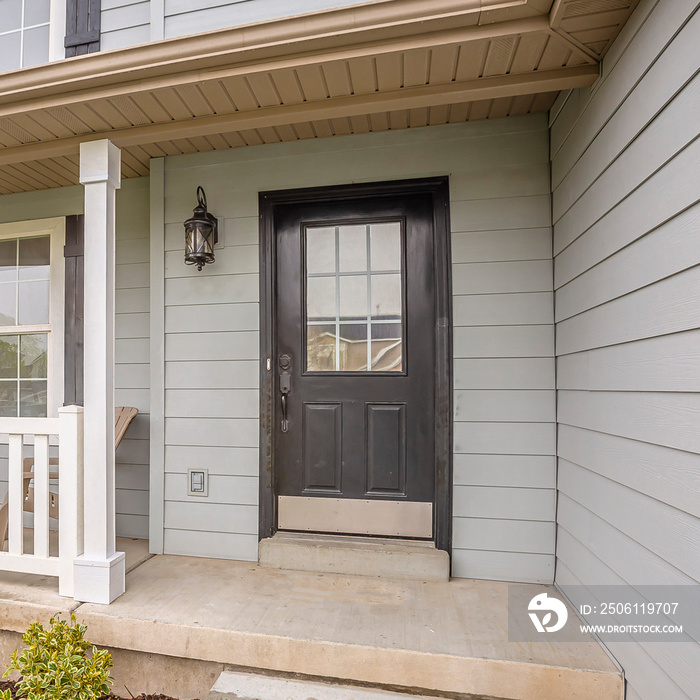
[[69, 429]]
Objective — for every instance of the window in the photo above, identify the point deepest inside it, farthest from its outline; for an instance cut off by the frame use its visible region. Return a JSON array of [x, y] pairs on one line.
[[31, 32], [354, 297], [31, 326]]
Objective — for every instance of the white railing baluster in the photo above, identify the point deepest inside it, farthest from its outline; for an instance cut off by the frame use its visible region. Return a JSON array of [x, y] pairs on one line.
[[15, 497], [70, 494], [41, 496], [69, 428]]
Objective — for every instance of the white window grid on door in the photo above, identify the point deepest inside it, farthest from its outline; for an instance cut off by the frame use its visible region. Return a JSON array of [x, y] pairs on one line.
[[368, 320]]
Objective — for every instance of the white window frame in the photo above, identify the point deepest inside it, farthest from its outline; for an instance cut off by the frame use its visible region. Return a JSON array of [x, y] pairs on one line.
[[55, 328], [57, 30]]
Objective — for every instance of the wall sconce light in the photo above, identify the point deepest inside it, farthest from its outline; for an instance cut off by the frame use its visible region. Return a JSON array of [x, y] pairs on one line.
[[201, 234]]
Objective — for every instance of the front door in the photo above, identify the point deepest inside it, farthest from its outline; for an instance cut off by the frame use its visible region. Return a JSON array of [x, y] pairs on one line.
[[354, 365]]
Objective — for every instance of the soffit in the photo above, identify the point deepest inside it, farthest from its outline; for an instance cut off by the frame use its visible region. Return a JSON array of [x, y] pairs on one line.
[[384, 65]]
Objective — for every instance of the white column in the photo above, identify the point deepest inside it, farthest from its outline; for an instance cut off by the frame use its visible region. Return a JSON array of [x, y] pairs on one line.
[[100, 570]]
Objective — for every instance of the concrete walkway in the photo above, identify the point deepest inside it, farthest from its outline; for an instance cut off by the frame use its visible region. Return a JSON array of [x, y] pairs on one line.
[[446, 637]]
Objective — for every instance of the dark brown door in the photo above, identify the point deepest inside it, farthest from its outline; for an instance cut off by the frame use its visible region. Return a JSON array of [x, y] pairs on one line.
[[355, 366]]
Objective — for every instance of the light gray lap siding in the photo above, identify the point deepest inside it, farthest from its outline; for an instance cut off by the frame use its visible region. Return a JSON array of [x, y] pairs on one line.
[[625, 162], [503, 336]]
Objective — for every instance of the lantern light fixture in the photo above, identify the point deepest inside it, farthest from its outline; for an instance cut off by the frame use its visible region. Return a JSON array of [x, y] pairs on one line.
[[201, 234]]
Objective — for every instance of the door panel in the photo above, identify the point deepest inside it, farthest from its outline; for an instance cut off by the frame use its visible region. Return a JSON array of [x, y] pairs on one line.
[[322, 447], [386, 449], [355, 315]]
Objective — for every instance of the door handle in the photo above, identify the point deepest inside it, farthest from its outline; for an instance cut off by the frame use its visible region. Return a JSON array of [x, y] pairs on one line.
[[285, 422], [285, 363]]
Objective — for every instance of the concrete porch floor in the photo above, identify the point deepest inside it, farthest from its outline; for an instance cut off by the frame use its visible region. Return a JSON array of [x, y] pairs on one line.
[[444, 637]]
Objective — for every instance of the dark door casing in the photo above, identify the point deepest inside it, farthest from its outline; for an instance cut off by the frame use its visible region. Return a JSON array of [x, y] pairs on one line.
[[356, 404]]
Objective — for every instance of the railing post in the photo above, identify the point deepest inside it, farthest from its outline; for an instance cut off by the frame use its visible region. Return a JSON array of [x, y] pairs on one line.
[[70, 495]]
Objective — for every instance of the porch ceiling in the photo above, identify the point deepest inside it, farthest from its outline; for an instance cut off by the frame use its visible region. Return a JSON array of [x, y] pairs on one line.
[[386, 64]]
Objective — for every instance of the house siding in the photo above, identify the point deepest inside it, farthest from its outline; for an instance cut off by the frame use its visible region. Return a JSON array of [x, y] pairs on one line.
[[124, 23], [132, 333], [625, 158], [183, 17], [504, 483], [131, 22]]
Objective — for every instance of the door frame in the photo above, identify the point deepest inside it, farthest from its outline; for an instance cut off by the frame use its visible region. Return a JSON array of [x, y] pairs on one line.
[[438, 188]]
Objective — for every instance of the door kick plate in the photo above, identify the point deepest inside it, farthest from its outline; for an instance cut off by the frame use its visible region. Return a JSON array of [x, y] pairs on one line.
[[356, 516]]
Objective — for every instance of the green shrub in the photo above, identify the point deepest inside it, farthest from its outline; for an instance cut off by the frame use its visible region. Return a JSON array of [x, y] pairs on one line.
[[55, 664]]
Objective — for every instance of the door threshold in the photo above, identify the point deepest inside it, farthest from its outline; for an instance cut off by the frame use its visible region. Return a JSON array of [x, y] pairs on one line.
[[355, 556], [341, 539]]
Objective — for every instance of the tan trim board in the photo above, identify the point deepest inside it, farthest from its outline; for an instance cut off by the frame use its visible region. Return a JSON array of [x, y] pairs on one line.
[[348, 515], [574, 44], [120, 77], [404, 98], [295, 35]]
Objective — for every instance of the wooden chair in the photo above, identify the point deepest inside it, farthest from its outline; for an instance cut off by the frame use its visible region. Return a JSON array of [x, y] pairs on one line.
[[123, 416]]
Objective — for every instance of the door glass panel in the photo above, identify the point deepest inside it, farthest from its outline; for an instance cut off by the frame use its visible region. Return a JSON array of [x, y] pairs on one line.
[[386, 297], [354, 292], [320, 348], [385, 246], [352, 241], [320, 298], [353, 297], [386, 347], [320, 250], [353, 347]]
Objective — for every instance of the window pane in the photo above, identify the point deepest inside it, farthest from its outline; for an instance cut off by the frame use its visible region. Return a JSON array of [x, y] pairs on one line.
[[9, 51], [320, 348], [32, 356], [10, 15], [33, 302], [385, 246], [320, 298], [353, 347], [320, 250], [386, 296], [34, 258], [353, 248], [36, 12], [8, 356], [8, 399], [32, 398], [8, 304], [353, 297], [36, 46], [8, 261], [386, 347]]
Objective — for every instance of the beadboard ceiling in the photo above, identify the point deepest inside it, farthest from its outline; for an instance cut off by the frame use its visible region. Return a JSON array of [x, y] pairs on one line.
[[389, 64]]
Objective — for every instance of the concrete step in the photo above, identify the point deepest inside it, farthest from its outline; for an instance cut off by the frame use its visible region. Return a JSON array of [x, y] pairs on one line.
[[360, 556], [237, 685]]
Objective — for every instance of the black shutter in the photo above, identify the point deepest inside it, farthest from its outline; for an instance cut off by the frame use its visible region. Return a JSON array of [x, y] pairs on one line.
[[82, 27], [73, 339]]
